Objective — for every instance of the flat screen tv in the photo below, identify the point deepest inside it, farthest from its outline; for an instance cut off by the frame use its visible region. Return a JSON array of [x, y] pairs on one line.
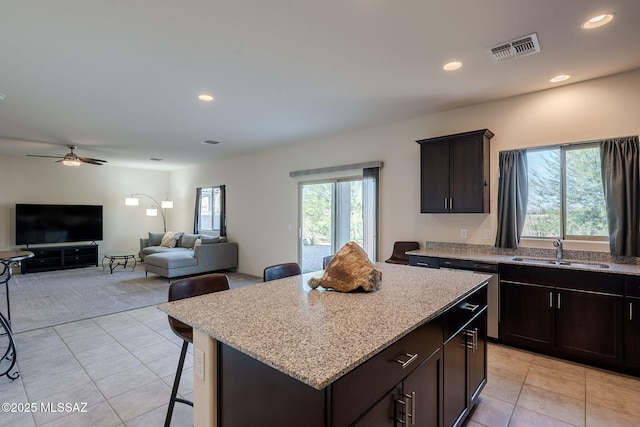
[[37, 224]]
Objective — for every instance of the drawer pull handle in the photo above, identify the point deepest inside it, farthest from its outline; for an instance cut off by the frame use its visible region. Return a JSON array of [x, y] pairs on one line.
[[470, 307], [406, 363], [423, 264]]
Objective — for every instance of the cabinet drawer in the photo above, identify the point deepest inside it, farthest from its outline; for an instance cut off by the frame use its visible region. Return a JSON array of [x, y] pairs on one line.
[[632, 286], [79, 260], [461, 313], [355, 392], [80, 251], [45, 253], [424, 261], [43, 262]]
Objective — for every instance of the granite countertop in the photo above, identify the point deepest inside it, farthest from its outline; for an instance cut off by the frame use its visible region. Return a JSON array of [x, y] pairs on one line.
[[316, 336], [473, 254]]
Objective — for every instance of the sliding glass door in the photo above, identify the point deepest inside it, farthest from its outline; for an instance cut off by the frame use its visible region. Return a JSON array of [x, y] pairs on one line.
[[331, 214]]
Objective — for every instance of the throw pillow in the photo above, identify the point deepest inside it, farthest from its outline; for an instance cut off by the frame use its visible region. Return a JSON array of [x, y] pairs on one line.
[[197, 243], [170, 239], [208, 240], [155, 239], [188, 240]]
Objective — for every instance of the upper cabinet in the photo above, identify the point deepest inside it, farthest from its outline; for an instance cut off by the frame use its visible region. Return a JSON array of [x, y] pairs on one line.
[[454, 173]]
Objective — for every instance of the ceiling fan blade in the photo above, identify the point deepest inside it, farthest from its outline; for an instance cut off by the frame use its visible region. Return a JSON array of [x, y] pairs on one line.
[[92, 161], [53, 157]]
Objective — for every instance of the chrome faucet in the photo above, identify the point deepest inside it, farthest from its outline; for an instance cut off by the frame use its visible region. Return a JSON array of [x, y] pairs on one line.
[[558, 244]]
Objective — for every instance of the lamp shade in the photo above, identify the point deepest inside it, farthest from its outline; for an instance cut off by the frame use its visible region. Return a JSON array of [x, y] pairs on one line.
[[152, 212], [131, 201], [166, 204]]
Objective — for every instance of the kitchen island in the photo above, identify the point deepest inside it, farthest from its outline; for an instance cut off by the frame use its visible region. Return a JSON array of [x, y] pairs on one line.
[[279, 353]]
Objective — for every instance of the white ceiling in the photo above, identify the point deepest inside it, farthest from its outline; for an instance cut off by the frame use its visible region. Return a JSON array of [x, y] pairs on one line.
[[120, 78]]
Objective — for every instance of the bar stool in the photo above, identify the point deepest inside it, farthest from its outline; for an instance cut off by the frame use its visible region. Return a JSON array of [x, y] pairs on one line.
[[326, 260], [399, 248], [187, 288], [280, 271]]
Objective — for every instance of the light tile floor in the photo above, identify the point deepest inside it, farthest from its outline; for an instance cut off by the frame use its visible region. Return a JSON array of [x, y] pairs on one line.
[[122, 366]]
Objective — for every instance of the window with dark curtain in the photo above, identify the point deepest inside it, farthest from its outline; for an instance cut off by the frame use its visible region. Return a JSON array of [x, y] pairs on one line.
[[620, 162], [512, 198], [370, 203], [210, 211]]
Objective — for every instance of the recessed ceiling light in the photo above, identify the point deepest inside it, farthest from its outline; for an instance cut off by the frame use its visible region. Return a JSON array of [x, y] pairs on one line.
[[450, 66], [598, 21], [560, 78], [205, 97]]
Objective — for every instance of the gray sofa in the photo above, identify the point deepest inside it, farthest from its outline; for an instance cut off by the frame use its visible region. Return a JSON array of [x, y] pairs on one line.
[[213, 254]]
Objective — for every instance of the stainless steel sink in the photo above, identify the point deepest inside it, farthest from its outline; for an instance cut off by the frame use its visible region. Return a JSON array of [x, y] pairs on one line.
[[550, 261]]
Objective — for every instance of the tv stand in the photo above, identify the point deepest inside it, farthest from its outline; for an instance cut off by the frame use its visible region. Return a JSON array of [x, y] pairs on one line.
[[60, 258]]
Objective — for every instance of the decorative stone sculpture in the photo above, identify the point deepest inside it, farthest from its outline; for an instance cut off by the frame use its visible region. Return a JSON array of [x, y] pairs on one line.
[[349, 270]]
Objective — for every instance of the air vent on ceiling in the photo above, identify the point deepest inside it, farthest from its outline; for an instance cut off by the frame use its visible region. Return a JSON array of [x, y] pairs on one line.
[[210, 141], [516, 48]]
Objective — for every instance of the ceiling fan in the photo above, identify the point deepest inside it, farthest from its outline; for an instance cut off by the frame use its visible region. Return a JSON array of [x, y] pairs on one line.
[[71, 159]]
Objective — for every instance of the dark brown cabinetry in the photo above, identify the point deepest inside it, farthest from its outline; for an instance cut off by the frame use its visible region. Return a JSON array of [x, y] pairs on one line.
[[454, 173], [60, 258], [572, 314], [404, 384], [632, 324], [416, 400], [465, 357]]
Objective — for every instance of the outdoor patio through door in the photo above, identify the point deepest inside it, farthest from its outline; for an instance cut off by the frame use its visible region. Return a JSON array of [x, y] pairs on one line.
[[331, 214]]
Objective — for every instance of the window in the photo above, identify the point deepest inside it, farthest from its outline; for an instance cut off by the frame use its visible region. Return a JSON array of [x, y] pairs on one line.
[[210, 215], [566, 199]]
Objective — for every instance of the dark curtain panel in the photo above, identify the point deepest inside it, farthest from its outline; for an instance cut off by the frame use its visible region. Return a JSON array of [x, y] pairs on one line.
[[370, 202], [196, 216], [620, 160], [223, 211], [512, 197]]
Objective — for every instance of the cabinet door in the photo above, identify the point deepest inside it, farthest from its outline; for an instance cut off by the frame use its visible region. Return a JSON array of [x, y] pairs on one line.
[[632, 326], [455, 379], [467, 175], [383, 413], [425, 386], [589, 326], [527, 316], [477, 356], [434, 171]]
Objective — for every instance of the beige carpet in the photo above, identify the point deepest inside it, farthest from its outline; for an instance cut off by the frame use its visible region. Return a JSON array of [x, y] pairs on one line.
[[51, 298]]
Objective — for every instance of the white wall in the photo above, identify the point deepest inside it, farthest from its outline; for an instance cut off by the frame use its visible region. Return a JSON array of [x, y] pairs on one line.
[[28, 180], [262, 198]]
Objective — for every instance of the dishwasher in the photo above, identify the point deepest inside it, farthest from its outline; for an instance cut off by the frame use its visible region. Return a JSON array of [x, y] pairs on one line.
[[493, 288]]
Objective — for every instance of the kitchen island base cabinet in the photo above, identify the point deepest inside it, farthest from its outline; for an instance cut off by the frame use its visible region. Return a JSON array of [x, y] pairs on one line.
[[465, 369], [254, 394]]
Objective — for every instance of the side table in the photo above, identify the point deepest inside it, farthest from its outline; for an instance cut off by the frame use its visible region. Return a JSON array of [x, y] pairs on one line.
[[115, 259], [9, 259]]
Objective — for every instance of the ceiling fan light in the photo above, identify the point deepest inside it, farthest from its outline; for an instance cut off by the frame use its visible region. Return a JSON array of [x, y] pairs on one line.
[[131, 201], [71, 162], [152, 212]]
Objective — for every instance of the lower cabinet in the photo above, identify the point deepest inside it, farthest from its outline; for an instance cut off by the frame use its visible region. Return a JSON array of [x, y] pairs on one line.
[[577, 315], [632, 323], [465, 369], [415, 401]]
